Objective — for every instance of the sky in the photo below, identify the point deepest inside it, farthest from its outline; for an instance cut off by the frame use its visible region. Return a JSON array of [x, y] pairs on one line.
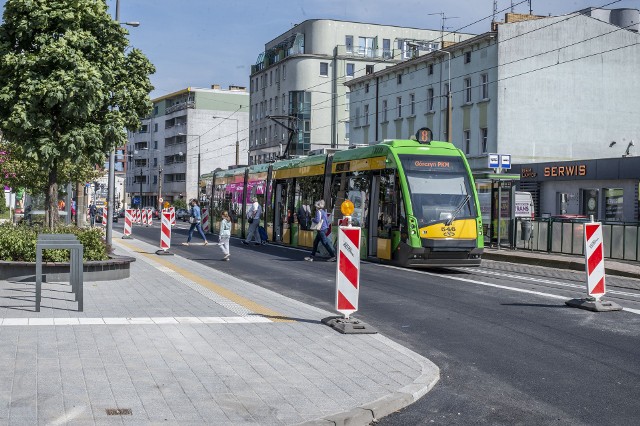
[[197, 43]]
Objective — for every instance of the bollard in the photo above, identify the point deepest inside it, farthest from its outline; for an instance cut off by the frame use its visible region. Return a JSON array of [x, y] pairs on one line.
[[165, 234], [128, 216]]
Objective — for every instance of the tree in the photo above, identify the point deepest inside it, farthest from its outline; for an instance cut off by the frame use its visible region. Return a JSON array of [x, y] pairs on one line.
[[69, 85]]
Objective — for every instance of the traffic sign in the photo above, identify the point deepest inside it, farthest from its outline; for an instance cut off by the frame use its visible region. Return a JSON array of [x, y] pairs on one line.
[[505, 161], [494, 161], [160, 199], [135, 200]]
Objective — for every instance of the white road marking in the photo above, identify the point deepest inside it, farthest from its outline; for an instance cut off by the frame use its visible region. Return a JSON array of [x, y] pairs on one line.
[[250, 319], [518, 290], [538, 280]]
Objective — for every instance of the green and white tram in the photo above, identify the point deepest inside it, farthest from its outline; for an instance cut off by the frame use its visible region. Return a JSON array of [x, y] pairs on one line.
[[415, 201]]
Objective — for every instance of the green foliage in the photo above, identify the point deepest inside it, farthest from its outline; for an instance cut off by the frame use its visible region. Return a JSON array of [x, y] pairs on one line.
[[180, 204], [18, 243], [69, 87]]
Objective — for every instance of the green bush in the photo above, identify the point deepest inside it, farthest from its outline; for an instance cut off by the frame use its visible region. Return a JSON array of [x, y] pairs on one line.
[[18, 243]]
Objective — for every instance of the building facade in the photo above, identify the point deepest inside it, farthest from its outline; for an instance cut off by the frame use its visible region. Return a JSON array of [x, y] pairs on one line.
[[542, 89], [299, 81], [189, 133]]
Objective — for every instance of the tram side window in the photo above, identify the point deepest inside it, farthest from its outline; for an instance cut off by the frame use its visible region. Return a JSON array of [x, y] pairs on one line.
[[387, 204], [354, 186], [308, 191]]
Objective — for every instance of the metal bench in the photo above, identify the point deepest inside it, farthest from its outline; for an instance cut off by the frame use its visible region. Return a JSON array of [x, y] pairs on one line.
[[63, 242]]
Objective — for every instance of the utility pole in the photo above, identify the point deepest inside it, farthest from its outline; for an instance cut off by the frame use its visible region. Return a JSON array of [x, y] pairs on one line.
[[160, 190]]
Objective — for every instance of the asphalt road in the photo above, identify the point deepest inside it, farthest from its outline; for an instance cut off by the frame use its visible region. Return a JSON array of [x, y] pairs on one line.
[[506, 356]]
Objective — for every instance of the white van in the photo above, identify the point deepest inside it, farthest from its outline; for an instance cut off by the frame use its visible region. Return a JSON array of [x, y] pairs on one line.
[[524, 205]]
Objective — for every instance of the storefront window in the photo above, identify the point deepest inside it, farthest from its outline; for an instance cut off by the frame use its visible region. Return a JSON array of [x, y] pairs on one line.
[[613, 204]]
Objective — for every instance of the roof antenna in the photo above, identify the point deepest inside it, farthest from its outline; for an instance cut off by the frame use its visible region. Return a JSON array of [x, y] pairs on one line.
[[495, 10], [444, 18]]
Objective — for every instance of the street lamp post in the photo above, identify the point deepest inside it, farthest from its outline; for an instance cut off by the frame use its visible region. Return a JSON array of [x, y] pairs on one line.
[[449, 103], [112, 158]]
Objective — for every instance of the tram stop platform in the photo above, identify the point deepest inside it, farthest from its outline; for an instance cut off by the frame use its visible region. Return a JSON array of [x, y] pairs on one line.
[[181, 343], [622, 268]]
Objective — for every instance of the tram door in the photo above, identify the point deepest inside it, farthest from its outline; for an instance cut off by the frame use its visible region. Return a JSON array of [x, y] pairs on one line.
[[280, 211], [376, 209]]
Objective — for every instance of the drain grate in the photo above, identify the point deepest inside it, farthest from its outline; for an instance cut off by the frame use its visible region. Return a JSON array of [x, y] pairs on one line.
[[119, 412]]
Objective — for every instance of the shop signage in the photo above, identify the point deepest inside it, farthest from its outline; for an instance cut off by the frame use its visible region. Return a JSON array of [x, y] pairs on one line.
[[557, 171]]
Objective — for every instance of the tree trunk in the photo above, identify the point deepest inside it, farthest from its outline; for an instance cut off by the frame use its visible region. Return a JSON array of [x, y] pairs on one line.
[[51, 200], [81, 208]]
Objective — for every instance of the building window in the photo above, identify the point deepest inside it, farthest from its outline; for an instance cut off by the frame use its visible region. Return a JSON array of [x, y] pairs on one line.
[[365, 46], [399, 78], [284, 71], [483, 138], [348, 42], [399, 106], [324, 69], [155, 144], [368, 69], [347, 97], [412, 103], [467, 57], [346, 130], [271, 78], [467, 141], [484, 86], [430, 69], [366, 115], [155, 127], [384, 111], [386, 48], [357, 117], [467, 90], [366, 88], [278, 75], [351, 70], [430, 99]]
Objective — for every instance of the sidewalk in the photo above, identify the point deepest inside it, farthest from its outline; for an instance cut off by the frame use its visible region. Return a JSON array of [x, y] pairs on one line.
[[561, 261], [181, 343]]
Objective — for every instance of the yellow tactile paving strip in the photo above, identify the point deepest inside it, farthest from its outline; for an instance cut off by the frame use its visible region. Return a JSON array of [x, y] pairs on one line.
[[218, 289]]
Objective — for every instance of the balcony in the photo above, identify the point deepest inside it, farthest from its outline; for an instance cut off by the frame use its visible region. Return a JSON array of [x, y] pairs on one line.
[[180, 106]]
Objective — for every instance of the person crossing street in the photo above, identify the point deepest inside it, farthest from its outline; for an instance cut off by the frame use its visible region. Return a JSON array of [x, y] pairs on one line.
[[195, 220], [253, 217]]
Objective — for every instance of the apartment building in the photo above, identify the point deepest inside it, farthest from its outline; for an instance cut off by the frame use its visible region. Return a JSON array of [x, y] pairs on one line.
[[190, 132], [542, 89], [298, 81]]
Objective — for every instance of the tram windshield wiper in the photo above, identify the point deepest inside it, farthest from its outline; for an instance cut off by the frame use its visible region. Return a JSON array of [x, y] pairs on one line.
[[457, 210]]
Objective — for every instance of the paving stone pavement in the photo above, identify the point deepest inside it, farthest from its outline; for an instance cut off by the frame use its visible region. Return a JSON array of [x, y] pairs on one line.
[[181, 343]]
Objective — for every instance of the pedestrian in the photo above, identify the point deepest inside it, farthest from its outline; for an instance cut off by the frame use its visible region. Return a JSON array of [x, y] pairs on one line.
[[195, 219], [321, 223], [253, 217], [225, 234], [92, 214]]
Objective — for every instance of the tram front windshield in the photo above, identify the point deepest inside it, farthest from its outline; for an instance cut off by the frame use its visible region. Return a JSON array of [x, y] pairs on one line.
[[439, 187]]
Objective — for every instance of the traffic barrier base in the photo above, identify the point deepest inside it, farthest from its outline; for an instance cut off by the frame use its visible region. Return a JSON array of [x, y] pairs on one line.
[[591, 304], [349, 325]]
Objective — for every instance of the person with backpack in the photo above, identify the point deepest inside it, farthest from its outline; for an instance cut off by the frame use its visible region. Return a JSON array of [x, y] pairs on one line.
[[253, 217], [320, 224]]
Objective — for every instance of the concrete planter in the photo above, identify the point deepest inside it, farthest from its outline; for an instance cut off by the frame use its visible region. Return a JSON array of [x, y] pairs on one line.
[[116, 268]]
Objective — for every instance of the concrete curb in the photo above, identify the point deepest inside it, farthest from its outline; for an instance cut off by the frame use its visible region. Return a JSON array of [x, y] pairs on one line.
[[550, 262], [403, 397]]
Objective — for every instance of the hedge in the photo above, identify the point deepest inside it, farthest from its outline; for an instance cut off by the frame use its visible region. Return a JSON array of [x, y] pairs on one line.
[[18, 243]]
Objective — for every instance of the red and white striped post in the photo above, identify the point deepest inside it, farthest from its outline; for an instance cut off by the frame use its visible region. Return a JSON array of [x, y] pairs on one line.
[[165, 234], [172, 211], [128, 216], [348, 277], [150, 217], [594, 268], [594, 260], [145, 217], [348, 270], [104, 216], [205, 220]]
